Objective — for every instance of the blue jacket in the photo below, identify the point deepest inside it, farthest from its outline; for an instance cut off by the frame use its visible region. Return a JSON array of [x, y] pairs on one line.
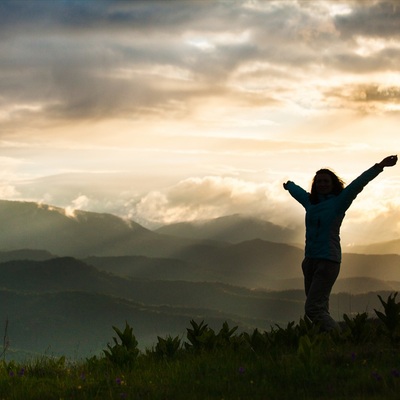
[[323, 220]]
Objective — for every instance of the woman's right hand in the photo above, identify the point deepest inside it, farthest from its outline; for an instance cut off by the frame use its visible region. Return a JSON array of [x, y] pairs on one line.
[[389, 161]]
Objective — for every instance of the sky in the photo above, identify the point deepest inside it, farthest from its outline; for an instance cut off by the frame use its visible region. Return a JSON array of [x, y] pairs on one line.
[[169, 111]]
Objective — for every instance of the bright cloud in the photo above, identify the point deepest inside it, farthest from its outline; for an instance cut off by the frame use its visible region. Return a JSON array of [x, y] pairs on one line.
[[80, 203], [210, 197]]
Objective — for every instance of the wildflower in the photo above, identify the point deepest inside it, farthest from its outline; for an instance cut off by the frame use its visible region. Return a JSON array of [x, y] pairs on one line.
[[353, 356], [395, 373], [21, 372], [376, 376], [120, 381], [83, 376], [241, 370]]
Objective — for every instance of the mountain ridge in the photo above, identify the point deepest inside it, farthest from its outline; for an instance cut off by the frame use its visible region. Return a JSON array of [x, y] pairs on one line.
[[387, 247], [67, 304], [55, 264], [234, 228], [82, 233]]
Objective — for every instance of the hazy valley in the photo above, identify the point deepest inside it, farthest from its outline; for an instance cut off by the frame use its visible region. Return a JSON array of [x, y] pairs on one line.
[[65, 280]]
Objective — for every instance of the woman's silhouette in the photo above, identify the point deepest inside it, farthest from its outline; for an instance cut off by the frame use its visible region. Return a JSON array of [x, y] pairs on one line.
[[325, 208]]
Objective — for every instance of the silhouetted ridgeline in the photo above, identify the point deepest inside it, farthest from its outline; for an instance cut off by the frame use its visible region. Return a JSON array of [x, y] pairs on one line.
[[33, 226], [64, 281], [38, 226], [64, 306], [233, 229]]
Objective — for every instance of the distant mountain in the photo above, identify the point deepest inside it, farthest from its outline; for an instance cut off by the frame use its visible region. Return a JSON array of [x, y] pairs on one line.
[[355, 286], [233, 229], [66, 278], [25, 254], [390, 247], [63, 305], [359, 274], [35, 226], [253, 264], [154, 268], [68, 274], [365, 285], [79, 324], [385, 267], [57, 274], [66, 305]]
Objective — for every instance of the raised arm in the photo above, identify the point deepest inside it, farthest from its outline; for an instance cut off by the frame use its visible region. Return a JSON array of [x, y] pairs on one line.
[[355, 187], [297, 193]]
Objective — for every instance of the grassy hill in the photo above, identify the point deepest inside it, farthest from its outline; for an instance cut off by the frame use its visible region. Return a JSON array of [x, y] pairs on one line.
[[214, 362]]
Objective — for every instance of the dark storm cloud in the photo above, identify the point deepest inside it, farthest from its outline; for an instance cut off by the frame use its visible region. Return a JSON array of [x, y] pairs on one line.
[[371, 19], [68, 58], [60, 53], [112, 15]]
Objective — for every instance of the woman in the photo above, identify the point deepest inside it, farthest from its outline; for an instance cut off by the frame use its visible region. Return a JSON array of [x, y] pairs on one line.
[[325, 209]]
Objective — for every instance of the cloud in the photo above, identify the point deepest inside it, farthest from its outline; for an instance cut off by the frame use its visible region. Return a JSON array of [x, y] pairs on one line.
[[370, 18], [368, 220], [92, 61], [80, 203], [211, 197], [366, 98], [379, 223], [8, 192]]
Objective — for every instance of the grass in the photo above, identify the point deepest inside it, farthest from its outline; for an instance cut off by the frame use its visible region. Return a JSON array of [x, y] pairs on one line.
[[336, 372], [294, 362]]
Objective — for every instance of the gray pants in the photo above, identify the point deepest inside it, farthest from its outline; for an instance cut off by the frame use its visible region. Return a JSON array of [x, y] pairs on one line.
[[319, 277]]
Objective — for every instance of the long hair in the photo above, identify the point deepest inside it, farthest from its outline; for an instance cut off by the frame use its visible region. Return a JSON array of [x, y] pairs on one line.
[[337, 185]]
